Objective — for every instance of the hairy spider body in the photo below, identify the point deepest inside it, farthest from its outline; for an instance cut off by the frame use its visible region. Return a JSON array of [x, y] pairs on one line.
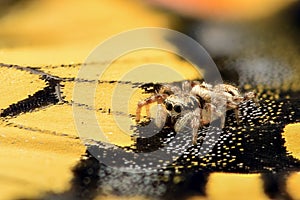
[[215, 97], [193, 105]]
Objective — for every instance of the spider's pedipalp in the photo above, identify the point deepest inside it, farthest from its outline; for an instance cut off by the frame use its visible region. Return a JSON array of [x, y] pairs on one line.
[[195, 124], [161, 116]]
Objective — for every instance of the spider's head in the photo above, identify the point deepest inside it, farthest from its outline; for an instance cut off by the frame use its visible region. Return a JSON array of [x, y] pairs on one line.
[[177, 105], [174, 106]]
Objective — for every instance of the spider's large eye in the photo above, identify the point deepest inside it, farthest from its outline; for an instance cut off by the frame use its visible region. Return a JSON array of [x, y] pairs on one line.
[[177, 108], [169, 106]]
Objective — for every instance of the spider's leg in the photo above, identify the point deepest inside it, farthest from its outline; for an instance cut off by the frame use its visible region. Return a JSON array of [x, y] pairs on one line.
[[148, 111], [210, 113], [223, 120], [154, 98], [138, 111], [194, 118], [218, 112], [206, 114], [236, 112], [251, 96], [161, 116], [186, 86], [203, 93], [195, 124], [235, 106]]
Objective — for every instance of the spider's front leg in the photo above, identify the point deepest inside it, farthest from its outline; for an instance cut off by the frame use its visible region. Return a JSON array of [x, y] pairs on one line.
[[194, 119], [159, 98]]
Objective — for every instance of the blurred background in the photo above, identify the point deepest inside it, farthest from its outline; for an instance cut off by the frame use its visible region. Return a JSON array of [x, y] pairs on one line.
[[244, 37], [251, 41]]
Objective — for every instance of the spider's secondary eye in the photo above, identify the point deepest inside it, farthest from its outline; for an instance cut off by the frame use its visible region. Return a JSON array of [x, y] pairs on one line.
[[169, 106], [177, 108]]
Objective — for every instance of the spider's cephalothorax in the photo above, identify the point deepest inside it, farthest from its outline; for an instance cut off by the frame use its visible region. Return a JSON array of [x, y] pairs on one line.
[[193, 105]]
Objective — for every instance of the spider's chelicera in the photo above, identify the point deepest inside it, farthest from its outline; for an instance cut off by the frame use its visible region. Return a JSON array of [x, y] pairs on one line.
[[194, 105]]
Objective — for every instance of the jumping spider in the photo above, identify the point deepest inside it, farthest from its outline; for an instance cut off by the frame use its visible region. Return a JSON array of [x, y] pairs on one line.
[[195, 104]]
